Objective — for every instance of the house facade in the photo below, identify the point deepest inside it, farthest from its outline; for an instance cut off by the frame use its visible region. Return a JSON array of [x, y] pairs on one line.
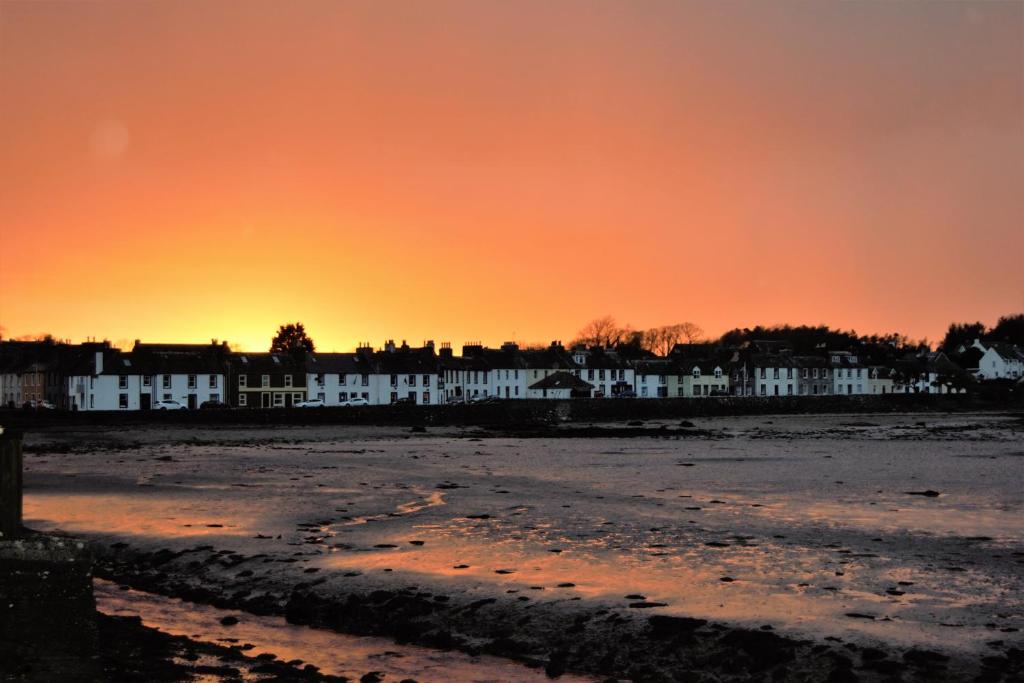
[[999, 360]]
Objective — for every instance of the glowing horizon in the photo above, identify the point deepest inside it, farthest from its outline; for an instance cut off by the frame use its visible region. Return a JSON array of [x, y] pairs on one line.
[[483, 171]]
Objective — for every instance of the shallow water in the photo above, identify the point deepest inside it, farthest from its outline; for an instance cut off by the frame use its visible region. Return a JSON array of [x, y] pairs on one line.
[[810, 518], [334, 653]]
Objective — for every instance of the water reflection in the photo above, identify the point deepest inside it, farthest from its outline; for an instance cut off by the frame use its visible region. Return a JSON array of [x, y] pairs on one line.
[[334, 653]]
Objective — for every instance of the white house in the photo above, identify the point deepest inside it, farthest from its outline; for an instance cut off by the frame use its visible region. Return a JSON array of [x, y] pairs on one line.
[[605, 370], [999, 360], [655, 378], [699, 378], [849, 375], [881, 380], [773, 375], [560, 385]]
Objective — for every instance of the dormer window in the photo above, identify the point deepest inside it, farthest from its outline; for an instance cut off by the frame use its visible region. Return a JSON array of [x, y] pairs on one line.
[[718, 373], [696, 373]]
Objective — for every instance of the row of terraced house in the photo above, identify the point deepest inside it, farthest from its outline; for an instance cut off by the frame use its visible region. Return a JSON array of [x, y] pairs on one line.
[[95, 376]]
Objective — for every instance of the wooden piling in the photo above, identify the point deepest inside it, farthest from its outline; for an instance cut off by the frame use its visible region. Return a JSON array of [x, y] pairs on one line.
[[10, 485]]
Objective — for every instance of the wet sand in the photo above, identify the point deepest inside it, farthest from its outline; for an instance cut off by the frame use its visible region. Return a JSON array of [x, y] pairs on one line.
[[827, 530]]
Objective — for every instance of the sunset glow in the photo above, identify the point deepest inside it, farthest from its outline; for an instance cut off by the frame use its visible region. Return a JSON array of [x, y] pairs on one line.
[[489, 171]]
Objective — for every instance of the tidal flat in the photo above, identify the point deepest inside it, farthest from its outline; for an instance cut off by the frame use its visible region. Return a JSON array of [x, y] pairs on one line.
[[822, 547]]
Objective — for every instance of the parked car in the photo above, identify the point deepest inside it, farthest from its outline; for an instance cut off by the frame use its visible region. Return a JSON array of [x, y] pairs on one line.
[[625, 394], [169, 405], [41, 404], [353, 402], [213, 405], [480, 398], [310, 403], [403, 400]]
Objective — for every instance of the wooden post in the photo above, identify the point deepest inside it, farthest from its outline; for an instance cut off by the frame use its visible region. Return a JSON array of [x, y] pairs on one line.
[[10, 485]]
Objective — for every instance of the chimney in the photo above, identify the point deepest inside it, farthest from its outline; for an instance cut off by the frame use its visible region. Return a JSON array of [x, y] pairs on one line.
[[98, 363], [510, 346], [389, 346]]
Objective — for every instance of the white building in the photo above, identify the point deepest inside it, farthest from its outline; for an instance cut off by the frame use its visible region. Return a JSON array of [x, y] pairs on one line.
[[999, 360]]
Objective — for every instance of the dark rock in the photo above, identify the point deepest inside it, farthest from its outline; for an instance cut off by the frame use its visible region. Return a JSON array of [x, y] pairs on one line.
[[927, 493], [664, 627], [764, 649], [229, 621]]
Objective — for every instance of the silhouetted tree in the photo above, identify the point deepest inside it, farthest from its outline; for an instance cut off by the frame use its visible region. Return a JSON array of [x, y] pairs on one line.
[[601, 332], [961, 334], [1010, 328], [292, 338]]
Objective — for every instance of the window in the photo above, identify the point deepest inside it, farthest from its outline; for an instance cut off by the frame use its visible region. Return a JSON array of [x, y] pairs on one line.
[[696, 373], [264, 381], [122, 382], [590, 375], [167, 397], [296, 398], [278, 400], [661, 379], [426, 380], [341, 380], [243, 400], [320, 379], [122, 401], [394, 383], [775, 373], [600, 374], [213, 382], [243, 381], [394, 395], [342, 396], [366, 380], [321, 396], [789, 389], [426, 397], [814, 373], [147, 380], [764, 389], [215, 397], [718, 373], [789, 373], [366, 396], [166, 382], [763, 375], [92, 401], [411, 381], [288, 379], [776, 389], [191, 381]]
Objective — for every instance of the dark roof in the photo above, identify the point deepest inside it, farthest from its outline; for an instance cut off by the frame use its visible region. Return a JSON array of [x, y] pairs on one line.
[[707, 366], [337, 364], [562, 380], [1007, 351]]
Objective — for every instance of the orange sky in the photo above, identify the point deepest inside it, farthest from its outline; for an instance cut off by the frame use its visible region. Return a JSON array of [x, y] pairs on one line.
[[506, 170]]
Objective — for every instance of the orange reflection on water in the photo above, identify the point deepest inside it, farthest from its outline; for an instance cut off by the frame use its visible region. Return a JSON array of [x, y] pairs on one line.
[[792, 588], [334, 653], [150, 514]]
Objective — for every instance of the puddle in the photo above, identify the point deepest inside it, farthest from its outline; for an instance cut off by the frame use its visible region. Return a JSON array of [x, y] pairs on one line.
[[334, 653], [151, 514]]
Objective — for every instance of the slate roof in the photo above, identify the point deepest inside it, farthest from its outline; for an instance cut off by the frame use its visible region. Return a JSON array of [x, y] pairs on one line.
[[562, 380]]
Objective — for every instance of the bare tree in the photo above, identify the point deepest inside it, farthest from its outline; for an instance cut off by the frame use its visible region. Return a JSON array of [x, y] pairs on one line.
[[691, 332], [661, 340], [600, 332]]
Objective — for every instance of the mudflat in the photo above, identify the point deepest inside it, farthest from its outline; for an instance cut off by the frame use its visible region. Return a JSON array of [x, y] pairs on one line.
[[823, 547]]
